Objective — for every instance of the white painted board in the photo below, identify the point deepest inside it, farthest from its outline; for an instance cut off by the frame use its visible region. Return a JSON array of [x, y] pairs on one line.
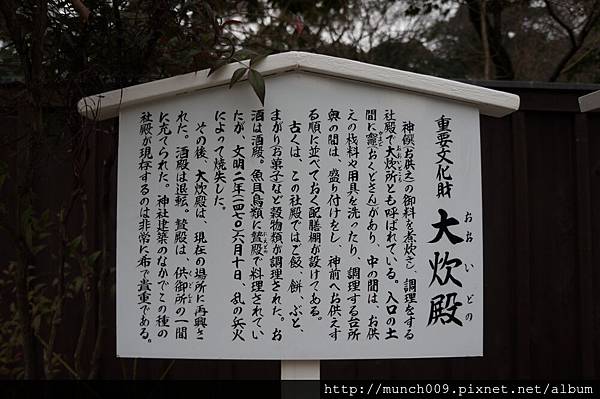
[[488, 102], [590, 101], [347, 287]]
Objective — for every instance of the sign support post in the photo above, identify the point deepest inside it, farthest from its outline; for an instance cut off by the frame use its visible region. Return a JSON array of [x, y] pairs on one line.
[[300, 370], [307, 371]]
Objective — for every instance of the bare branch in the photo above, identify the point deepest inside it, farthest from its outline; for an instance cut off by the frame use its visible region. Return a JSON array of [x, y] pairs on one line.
[[552, 12], [167, 370], [82, 10], [498, 53], [578, 60], [590, 22], [59, 358], [577, 41], [485, 41]]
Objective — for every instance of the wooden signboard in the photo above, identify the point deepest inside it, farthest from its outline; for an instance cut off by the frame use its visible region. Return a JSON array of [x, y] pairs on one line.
[[341, 220]]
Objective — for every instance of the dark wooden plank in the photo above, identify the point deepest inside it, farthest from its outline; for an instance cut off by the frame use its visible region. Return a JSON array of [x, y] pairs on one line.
[[550, 101], [553, 268], [593, 121], [584, 246], [522, 245], [498, 239]]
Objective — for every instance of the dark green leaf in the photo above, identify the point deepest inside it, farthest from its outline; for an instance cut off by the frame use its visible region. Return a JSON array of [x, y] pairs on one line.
[[257, 59], [3, 172], [208, 10], [38, 248], [217, 65], [94, 256], [244, 54], [36, 322], [237, 75], [74, 243], [231, 22], [197, 52], [258, 84]]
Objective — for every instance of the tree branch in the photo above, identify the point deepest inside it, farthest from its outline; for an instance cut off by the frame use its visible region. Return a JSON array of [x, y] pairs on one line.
[[562, 23], [82, 10], [59, 358], [575, 40], [500, 57], [102, 283], [583, 56], [485, 41]]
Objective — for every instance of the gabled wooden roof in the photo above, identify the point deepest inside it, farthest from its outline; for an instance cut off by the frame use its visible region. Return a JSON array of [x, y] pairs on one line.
[[489, 102]]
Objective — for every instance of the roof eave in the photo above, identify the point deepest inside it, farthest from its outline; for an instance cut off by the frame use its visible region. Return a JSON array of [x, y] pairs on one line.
[[590, 102], [489, 102]]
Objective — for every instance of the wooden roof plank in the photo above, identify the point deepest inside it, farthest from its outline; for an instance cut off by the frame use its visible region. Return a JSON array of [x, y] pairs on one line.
[[489, 102], [590, 102]]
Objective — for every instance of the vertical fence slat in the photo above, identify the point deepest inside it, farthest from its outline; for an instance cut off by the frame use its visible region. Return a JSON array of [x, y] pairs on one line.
[[522, 248], [584, 245]]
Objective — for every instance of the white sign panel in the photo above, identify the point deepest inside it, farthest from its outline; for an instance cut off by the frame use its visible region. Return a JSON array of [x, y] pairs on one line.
[[340, 221]]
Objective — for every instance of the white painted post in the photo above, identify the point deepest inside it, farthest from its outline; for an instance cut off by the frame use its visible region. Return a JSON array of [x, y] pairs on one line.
[[309, 371], [300, 370]]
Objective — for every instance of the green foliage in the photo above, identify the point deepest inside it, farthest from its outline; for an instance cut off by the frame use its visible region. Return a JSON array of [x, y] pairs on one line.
[[38, 231], [258, 84], [237, 75], [256, 80], [11, 355], [4, 173]]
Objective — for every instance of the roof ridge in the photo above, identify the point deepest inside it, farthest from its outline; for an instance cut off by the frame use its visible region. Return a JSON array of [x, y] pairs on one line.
[[488, 101]]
